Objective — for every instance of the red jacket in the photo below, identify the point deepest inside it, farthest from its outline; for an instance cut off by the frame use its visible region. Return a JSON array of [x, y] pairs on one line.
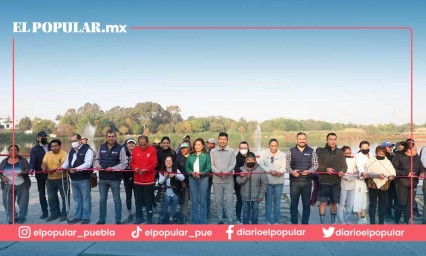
[[144, 159]]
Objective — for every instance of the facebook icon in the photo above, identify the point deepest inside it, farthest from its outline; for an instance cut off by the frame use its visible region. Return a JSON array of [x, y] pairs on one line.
[[229, 231]]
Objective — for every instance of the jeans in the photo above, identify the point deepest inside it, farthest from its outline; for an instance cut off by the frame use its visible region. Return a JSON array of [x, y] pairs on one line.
[[144, 196], [315, 189], [198, 189], [250, 212], [173, 202], [222, 190], [382, 197], [53, 186], [346, 205], [83, 199], [273, 194], [22, 193], [104, 186], [300, 189], [185, 209], [41, 186], [403, 196]]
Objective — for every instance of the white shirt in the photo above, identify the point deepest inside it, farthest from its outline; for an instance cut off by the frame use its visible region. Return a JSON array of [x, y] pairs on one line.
[[197, 166], [88, 159]]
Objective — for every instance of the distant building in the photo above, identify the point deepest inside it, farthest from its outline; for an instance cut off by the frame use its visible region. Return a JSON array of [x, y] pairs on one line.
[[6, 123]]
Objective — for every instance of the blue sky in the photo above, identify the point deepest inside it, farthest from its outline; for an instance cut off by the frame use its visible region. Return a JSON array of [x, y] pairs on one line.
[[337, 76]]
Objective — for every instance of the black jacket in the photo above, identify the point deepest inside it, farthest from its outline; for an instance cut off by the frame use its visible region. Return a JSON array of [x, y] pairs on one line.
[[328, 158], [402, 164]]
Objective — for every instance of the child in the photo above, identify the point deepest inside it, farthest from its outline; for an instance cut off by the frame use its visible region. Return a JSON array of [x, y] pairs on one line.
[[254, 184], [171, 177]]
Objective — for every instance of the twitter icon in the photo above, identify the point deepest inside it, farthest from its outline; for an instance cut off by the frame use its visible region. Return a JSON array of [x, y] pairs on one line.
[[327, 232]]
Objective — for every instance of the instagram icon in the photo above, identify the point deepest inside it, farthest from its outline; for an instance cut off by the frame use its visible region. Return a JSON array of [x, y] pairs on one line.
[[24, 232]]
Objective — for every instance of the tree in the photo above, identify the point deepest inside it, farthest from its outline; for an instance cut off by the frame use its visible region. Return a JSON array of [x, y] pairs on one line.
[[24, 124], [123, 130], [39, 124]]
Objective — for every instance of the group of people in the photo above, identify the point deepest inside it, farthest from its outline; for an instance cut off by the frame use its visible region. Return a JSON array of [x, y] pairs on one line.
[[383, 182]]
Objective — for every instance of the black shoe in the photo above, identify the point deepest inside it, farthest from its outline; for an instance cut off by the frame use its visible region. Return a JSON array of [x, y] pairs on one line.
[[44, 216], [117, 222], [52, 217], [130, 218], [139, 221], [74, 220], [100, 222], [85, 221], [63, 218], [220, 222], [20, 221], [10, 221]]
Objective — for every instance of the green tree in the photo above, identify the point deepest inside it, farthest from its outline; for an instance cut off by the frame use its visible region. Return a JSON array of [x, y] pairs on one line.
[[24, 124], [39, 124]]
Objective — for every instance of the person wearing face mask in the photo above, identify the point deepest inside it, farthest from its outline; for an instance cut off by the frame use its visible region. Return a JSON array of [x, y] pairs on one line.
[[254, 184], [240, 161], [273, 162], [79, 160], [302, 160], [361, 190], [380, 174], [36, 158], [347, 194], [406, 180]]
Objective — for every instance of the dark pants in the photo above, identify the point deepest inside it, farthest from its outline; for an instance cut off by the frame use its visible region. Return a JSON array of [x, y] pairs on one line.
[[391, 198], [41, 186], [128, 187], [144, 196], [297, 190], [209, 194], [315, 190], [250, 212], [403, 195], [239, 204], [380, 196], [424, 204], [53, 187]]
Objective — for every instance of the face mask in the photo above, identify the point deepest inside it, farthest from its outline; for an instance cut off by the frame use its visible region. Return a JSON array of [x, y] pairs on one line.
[[365, 151], [75, 145], [43, 141], [380, 157], [243, 151], [251, 164]]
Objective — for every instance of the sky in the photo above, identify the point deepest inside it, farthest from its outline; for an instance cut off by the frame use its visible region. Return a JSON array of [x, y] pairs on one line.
[[357, 76]]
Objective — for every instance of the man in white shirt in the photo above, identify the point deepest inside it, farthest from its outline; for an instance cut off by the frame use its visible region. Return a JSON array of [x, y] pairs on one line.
[[80, 158]]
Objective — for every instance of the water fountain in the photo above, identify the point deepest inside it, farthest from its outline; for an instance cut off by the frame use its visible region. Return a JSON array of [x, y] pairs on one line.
[[257, 139], [89, 131]]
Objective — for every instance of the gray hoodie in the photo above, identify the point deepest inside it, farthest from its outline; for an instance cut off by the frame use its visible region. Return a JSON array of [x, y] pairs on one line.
[[255, 187]]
